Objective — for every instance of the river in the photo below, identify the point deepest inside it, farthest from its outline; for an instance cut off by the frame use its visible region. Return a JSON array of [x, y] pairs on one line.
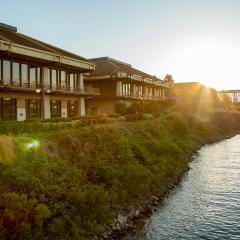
[[206, 204]]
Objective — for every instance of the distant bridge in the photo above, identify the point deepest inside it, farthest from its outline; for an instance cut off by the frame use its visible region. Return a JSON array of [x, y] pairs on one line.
[[234, 95]]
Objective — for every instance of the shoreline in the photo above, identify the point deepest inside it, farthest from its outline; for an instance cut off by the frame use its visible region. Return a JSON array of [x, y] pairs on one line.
[[129, 224]]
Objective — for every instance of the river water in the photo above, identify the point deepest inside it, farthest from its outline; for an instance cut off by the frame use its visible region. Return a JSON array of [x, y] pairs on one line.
[[206, 205]]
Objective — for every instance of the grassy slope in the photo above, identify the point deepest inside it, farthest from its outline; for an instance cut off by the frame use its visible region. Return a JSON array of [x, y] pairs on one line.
[[77, 180]]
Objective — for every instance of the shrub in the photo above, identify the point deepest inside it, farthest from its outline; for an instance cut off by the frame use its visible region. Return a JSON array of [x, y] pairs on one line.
[[121, 108], [146, 116], [134, 108], [121, 118]]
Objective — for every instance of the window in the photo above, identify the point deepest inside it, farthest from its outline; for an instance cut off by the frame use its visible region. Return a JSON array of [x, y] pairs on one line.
[[126, 89], [55, 108], [72, 108], [33, 108], [16, 74], [140, 91], [39, 82], [8, 109], [53, 79], [71, 82], [6, 72], [33, 76], [24, 74], [63, 80]]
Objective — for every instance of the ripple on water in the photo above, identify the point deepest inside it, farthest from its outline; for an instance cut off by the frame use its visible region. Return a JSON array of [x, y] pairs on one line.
[[206, 205]]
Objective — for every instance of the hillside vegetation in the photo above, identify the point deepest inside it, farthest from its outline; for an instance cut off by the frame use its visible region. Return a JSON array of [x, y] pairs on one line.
[[68, 184]]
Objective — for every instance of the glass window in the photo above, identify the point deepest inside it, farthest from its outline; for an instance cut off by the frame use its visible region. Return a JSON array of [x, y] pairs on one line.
[[72, 108], [8, 109], [55, 108], [6, 72], [33, 76], [24, 75], [71, 82], [140, 90], [16, 75], [63, 79], [53, 79], [38, 76], [34, 108]]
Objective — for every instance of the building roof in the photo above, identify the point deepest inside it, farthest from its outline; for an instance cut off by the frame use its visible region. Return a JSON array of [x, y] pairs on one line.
[[109, 66], [9, 34]]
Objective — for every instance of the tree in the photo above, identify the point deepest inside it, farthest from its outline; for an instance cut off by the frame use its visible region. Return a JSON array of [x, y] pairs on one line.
[[169, 79]]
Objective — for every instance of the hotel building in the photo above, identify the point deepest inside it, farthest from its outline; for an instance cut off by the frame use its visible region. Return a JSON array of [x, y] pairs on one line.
[[38, 80], [120, 82]]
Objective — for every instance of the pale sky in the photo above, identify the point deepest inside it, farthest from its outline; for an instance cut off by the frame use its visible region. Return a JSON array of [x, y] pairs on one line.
[[194, 40]]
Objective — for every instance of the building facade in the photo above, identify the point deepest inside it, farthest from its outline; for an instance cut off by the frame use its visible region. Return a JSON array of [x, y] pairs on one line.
[[120, 82], [38, 80]]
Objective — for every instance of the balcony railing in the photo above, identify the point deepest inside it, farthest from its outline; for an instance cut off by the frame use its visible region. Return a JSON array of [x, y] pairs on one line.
[[20, 86], [73, 89], [92, 91], [61, 89], [144, 97]]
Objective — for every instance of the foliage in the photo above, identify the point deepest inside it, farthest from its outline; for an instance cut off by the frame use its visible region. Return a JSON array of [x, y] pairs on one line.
[[75, 182], [168, 78], [121, 108], [134, 108]]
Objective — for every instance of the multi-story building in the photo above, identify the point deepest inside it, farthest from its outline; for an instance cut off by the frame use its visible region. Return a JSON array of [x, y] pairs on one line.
[[38, 80], [119, 81]]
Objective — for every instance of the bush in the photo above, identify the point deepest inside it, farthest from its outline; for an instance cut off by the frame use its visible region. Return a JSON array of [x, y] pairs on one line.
[[56, 120], [116, 115], [134, 108], [121, 108], [121, 118], [131, 117], [146, 116]]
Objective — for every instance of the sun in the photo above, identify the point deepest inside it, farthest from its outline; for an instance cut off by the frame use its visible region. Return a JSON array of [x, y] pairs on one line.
[[212, 61]]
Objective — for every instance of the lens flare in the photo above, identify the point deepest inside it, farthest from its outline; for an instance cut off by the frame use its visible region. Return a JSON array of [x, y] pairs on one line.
[[33, 144]]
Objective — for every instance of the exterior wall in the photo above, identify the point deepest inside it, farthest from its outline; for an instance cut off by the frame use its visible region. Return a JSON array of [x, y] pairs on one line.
[[104, 107], [101, 107]]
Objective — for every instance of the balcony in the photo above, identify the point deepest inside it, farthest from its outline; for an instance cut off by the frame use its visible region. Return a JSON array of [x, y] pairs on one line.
[[23, 87], [17, 86], [144, 97], [72, 90]]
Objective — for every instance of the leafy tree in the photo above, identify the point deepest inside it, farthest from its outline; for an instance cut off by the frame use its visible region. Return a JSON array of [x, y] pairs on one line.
[[169, 79]]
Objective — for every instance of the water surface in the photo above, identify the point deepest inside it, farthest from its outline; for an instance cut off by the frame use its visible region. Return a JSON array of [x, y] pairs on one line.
[[206, 205]]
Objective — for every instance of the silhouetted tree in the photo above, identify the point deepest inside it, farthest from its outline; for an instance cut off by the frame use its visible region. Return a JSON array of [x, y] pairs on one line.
[[168, 78]]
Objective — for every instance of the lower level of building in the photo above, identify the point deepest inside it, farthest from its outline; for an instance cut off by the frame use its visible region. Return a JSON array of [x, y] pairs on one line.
[[107, 107], [20, 107]]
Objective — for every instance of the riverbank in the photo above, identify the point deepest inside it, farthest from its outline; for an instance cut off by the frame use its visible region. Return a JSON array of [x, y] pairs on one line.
[[97, 180], [205, 201], [225, 127]]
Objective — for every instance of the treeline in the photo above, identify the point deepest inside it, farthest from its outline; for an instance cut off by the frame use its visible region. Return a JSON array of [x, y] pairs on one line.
[[74, 182]]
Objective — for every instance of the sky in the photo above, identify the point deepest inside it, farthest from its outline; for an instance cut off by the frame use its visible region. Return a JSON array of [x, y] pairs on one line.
[[194, 40]]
